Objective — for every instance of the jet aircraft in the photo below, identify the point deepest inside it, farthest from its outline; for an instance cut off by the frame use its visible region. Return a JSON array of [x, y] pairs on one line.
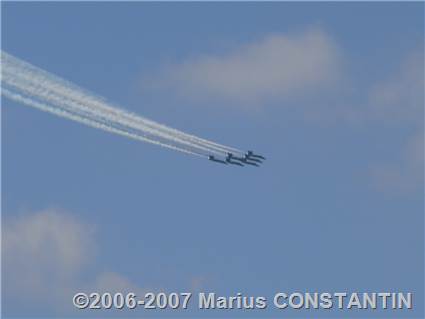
[[251, 155], [212, 158], [253, 159], [229, 159], [244, 160], [248, 159]]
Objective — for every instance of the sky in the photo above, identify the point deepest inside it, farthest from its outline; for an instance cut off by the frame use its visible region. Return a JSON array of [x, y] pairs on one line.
[[331, 93]]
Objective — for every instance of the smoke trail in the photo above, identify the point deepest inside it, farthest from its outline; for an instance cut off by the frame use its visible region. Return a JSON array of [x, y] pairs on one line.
[[49, 81], [39, 89], [41, 92], [65, 114]]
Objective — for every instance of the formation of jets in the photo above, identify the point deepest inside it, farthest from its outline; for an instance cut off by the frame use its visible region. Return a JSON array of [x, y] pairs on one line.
[[248, 159]]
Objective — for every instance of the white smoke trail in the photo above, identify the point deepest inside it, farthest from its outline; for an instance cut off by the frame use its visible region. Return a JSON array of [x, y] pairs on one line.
[[65, 114], [41, 92], [33, 74]]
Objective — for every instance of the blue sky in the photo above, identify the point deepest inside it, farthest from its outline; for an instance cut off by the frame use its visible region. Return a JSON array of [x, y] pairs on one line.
[[337, 111]]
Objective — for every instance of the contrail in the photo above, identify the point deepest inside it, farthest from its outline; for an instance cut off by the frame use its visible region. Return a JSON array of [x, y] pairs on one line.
[[39, 83], [40, 92], [65, 114]]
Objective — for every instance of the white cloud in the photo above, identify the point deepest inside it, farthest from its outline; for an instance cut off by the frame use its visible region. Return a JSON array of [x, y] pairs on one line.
[[113, 282], [48, 257], [404, 174], [277, 66], [401, 97], [43, 250], [400, 100]]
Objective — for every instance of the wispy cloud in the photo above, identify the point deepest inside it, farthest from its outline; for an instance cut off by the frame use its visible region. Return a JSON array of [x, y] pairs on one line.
[[401, 97], [47, 257], [43, 250], [276, 66], [400, 100], [404, 174]]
